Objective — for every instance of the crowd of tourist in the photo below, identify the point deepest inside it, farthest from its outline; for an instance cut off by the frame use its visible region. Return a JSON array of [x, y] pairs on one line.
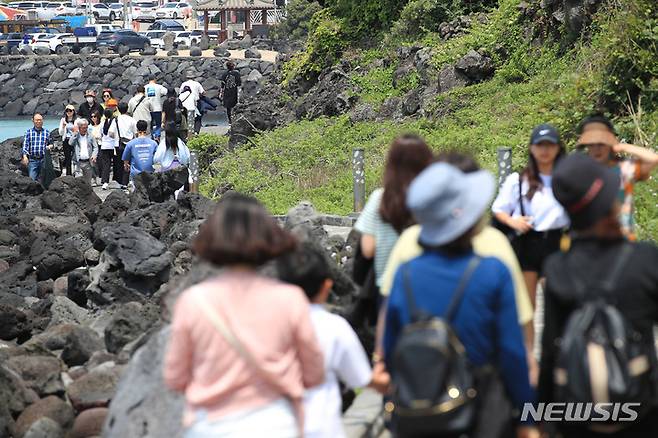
[[107, 139], [456, 296], [454, 293]]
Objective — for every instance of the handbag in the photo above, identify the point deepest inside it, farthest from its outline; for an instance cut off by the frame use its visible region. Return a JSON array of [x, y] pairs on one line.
[[237, 345], [508, 231]]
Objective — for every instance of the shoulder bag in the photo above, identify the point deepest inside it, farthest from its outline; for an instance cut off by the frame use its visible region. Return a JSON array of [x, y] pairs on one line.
[[508, 231], [235, 343]]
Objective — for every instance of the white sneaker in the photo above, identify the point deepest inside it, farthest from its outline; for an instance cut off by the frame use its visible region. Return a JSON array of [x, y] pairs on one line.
[[104, 186]]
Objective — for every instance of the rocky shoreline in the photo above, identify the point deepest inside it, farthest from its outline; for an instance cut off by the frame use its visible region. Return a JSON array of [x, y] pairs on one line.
[[48, 83], [85, 293]]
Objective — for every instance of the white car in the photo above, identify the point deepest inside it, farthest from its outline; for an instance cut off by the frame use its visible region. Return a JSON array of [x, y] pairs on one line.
[[174, 10], [183, 39], [155, 36], [51, 41], [64, 8], [101, 11], [118, 10], [144, 11]]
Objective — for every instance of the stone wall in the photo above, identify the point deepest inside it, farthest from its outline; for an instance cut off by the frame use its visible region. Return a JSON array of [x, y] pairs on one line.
[[48, 83]]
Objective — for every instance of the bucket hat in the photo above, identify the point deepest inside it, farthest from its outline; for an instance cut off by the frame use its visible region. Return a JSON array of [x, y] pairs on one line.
[[447, 202], [585, 188]]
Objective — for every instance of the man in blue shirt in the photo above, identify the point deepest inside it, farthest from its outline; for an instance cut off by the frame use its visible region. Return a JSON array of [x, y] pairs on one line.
[[35, 143], [138, 155]]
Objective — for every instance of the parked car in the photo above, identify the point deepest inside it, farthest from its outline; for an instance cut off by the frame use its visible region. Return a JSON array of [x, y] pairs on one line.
[[52, 42], [50, 30], [66, 8], [155, 37], [101, 11], [145, 11], [11, 39], [183, 39], [100, 28], [170, 25], [174, 10], [123, 37], [118, 10], [47, 11]]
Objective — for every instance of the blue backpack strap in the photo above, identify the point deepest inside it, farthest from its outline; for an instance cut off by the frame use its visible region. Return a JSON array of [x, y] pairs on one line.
[[461, 287]]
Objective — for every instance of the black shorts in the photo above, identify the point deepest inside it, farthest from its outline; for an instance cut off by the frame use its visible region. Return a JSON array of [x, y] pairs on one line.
[[534, 247]]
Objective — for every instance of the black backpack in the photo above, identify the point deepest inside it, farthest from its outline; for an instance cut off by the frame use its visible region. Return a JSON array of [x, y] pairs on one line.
[[434, 382], [600, 357]]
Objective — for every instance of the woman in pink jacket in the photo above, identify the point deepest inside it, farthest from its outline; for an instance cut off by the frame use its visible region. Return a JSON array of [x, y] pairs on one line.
[[242, 348]]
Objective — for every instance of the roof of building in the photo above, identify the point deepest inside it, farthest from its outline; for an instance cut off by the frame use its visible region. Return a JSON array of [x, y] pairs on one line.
[[218, 5]]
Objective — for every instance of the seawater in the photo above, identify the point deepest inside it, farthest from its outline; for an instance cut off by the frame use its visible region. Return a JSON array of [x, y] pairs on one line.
[[16, 126]]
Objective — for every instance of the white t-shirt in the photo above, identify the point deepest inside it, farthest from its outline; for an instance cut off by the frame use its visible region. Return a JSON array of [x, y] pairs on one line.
[[140, 109], [190, 100], [155, 93], [547, 213], [127, 127], [111, 139], [84, 150], [344, 360]]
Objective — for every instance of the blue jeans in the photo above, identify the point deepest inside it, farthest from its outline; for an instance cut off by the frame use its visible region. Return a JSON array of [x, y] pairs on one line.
[[34, 168], [156, 123]]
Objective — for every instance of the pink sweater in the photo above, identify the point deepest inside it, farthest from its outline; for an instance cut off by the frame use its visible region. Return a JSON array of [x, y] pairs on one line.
[[272, 321]]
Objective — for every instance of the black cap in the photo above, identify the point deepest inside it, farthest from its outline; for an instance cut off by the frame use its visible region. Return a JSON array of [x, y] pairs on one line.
[[544, 132], [586, 189]]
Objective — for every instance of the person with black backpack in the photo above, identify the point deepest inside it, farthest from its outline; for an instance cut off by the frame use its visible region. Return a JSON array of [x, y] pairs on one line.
[[451, 325], [601, 303]]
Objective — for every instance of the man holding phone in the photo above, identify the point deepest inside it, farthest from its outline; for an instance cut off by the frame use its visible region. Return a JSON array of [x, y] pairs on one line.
[[35, 143], [598, 139]]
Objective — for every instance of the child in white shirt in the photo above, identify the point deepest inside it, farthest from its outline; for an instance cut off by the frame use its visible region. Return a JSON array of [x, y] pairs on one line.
[[344, 356]]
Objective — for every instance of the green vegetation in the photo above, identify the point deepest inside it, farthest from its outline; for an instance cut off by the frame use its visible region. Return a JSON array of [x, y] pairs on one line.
[[296, 25], [324, 46], [612, 68]]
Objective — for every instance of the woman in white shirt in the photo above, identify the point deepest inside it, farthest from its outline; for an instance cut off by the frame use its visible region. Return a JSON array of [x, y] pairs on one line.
[[172, 152], [109, 143], [531, 209], [66, 131]]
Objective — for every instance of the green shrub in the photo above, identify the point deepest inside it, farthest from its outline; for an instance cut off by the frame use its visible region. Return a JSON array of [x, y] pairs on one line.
[[324, 46], [208, 148], [296, 24]]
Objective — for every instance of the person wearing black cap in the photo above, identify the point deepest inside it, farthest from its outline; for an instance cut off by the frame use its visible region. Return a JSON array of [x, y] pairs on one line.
[[597, 137], [588, 191], [526, 204]]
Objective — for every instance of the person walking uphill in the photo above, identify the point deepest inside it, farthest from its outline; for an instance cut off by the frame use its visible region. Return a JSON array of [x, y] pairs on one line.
[[242, 346], [35, 143], [597, 138], [109, 145], [126, 130], [138, 155], [139, 107], [228, 89], [525, 204], [600, 307], [156, 94], [189, 95], [85, 149], [452, 293]]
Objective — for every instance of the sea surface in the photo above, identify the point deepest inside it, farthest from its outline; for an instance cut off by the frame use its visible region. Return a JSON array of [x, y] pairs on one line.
[[16, 126]]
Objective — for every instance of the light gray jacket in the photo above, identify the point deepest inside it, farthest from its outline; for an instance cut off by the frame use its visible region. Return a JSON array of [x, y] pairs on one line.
[[92, 146]]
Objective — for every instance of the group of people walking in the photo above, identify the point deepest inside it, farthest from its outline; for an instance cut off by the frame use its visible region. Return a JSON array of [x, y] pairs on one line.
[[96, 137], [456, 293]]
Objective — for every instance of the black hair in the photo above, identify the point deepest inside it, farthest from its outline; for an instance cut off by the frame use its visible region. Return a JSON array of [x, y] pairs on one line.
[[596, 118], [123, 107], [171, 138], [531, 171], [109, 116], [37, 113], [142, 126], [140, 89], [65, 117], [307, 267], [241, 231], [230, 65]]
